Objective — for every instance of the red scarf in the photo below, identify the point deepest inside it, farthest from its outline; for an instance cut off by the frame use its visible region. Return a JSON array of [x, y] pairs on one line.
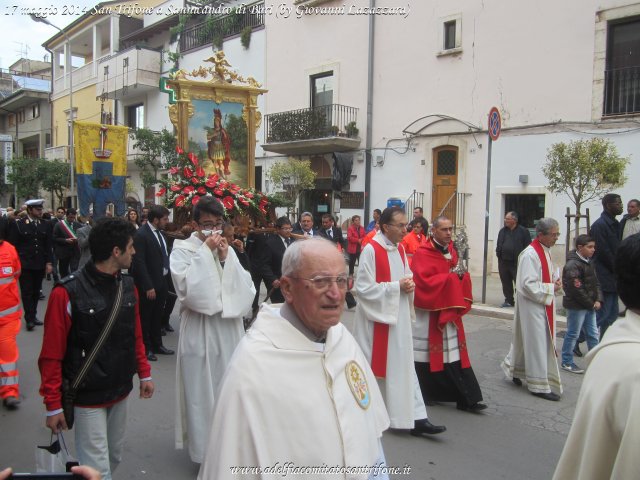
[[546, 278], [381, 330]]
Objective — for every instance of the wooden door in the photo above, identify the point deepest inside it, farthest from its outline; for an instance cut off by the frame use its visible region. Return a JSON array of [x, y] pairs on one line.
[[445, 182]]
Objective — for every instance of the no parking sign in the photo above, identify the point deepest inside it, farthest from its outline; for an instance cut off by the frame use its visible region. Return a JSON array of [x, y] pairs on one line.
[[495, 123]]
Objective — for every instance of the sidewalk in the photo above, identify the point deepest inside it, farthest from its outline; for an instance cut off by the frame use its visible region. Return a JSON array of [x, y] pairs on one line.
[[494, 298]]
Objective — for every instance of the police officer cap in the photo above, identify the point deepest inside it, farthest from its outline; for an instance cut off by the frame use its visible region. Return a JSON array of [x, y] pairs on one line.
[[36, 202]]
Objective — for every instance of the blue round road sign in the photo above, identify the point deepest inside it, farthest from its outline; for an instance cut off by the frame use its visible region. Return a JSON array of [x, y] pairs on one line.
[[495, 123]]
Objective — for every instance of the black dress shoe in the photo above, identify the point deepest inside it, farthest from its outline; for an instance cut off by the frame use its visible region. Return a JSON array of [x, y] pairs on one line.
[[30, 326], [151, 357], [476, 407], [164, 351], [517, 381], [11, 403], [169, 328], [424, 426], [547, 396], [37, 322], [163, 332], [41, 297], [576, 350]]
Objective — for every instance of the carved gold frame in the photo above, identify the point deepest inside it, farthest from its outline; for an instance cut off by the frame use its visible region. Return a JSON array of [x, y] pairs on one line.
[[220, 84]]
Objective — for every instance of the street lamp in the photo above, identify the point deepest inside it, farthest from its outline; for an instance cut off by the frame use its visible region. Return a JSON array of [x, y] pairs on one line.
[[69, 65]]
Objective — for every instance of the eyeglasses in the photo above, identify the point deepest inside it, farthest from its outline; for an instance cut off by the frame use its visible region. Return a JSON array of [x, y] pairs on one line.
[[324, 283], [401, 226], [211, 225]]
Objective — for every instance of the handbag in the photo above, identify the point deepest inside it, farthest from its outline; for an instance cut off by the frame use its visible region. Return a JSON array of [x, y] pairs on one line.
[[55, 457], [70, 389]]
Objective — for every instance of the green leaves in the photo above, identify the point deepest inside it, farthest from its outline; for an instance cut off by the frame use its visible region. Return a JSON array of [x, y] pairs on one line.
[[156, 151], [293, 176], [584, 169]]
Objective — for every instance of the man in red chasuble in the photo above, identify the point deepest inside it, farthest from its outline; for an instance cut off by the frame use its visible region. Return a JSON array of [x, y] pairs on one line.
[[442, 297]]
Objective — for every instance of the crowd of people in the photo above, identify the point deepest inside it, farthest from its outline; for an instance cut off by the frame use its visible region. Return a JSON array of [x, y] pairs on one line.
[[245, 367]]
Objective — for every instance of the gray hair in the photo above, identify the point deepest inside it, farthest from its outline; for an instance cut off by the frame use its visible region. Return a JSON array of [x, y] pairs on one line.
[[545, 225], [513, 215], [438, 219], [306, 214], [293, 255]]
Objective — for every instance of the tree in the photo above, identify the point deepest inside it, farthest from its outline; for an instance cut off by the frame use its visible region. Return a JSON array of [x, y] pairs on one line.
[[55, 177], [24, 175], [157, 150], [293, 176], [584, 170]]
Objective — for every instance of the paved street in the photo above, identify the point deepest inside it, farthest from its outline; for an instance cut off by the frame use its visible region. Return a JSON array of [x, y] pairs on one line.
[[518, 437]]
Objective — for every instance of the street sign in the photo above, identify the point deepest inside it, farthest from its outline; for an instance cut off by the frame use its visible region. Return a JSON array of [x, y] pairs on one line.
[[495, 123], [7, 155]]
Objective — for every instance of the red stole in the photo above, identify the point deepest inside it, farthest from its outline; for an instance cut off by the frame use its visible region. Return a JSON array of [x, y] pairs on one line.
[[546, 278], [381, 330]]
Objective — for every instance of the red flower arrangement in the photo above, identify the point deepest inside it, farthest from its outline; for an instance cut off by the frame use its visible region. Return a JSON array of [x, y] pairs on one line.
[[187, 183]]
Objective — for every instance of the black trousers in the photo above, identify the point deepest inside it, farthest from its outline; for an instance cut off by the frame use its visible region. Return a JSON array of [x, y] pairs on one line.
[[453, 384], [30, 286], [67, 265], [508, 271], [276, 295], [257, 280], [352, 260], [169, 303], [151, 312]]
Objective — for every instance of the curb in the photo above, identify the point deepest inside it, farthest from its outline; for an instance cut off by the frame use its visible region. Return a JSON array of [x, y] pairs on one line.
[[484, 310]]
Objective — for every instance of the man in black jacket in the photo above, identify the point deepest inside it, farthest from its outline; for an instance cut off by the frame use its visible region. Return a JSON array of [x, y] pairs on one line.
[[512, 239], [31, 236], [271, 258], [606, 232], [65, 243], [150, 270], [331, 232]]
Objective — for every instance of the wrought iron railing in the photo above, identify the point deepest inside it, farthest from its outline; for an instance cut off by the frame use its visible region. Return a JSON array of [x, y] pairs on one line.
[[621, 91], [308, 123], [218, 28], [454, 209], [416, 199]]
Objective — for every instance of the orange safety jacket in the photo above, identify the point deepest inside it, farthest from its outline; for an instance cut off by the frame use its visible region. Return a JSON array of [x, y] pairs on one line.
[[10, 314]]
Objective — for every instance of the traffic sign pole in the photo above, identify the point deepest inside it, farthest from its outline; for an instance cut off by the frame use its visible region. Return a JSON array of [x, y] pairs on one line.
[[493, 129]]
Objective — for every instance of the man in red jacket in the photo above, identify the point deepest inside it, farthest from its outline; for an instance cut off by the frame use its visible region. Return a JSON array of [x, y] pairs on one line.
[[78, 308]]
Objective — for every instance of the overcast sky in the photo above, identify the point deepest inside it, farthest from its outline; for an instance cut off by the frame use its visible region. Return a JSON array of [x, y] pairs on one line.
[[18, 32]]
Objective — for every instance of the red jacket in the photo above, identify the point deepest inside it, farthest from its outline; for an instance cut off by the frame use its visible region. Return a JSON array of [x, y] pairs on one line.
[[354, 238], [54, 346]]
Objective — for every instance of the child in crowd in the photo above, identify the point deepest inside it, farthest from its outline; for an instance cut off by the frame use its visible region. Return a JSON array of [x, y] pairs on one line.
[[582, 298]]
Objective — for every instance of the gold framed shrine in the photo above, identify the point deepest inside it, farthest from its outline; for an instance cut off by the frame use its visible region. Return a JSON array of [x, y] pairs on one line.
[[217, 118]]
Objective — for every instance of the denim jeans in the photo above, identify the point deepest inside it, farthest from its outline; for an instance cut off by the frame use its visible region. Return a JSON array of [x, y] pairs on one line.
[[100, 436], [608, 313], [576, 319]]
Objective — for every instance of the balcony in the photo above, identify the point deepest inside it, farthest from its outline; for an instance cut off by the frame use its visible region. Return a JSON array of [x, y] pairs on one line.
[[621, 91], [214, 30], [134, 68], [317, 130]]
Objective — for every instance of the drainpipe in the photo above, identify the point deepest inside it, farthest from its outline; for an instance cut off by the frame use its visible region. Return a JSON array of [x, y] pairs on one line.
[[369, 141]]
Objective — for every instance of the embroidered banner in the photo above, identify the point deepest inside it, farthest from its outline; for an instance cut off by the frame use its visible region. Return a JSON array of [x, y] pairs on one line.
[[101, 166]]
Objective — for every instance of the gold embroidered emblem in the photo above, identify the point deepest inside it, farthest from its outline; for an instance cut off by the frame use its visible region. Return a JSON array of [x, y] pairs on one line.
[[358, 384]]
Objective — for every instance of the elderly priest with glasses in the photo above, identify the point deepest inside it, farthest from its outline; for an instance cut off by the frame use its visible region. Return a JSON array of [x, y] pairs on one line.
[[215, 291], [299, 397]]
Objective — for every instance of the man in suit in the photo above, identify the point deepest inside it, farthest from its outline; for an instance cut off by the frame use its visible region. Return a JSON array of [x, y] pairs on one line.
[[330, 231], [271, 258], [150, 269], [306, 226], [65, 243], [31, 236]]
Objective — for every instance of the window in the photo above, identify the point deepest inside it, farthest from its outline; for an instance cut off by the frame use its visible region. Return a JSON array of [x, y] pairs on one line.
[[12, 119], [530, 209], [451, 35], [35, 110], [322, 89], [135, 116], [622, 73], [21, 116]]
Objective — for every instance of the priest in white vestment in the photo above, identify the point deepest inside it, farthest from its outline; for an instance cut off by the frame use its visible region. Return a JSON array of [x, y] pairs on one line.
[[383, 321], [299, 399], [605, 433], [215, 292], [533, 354]]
